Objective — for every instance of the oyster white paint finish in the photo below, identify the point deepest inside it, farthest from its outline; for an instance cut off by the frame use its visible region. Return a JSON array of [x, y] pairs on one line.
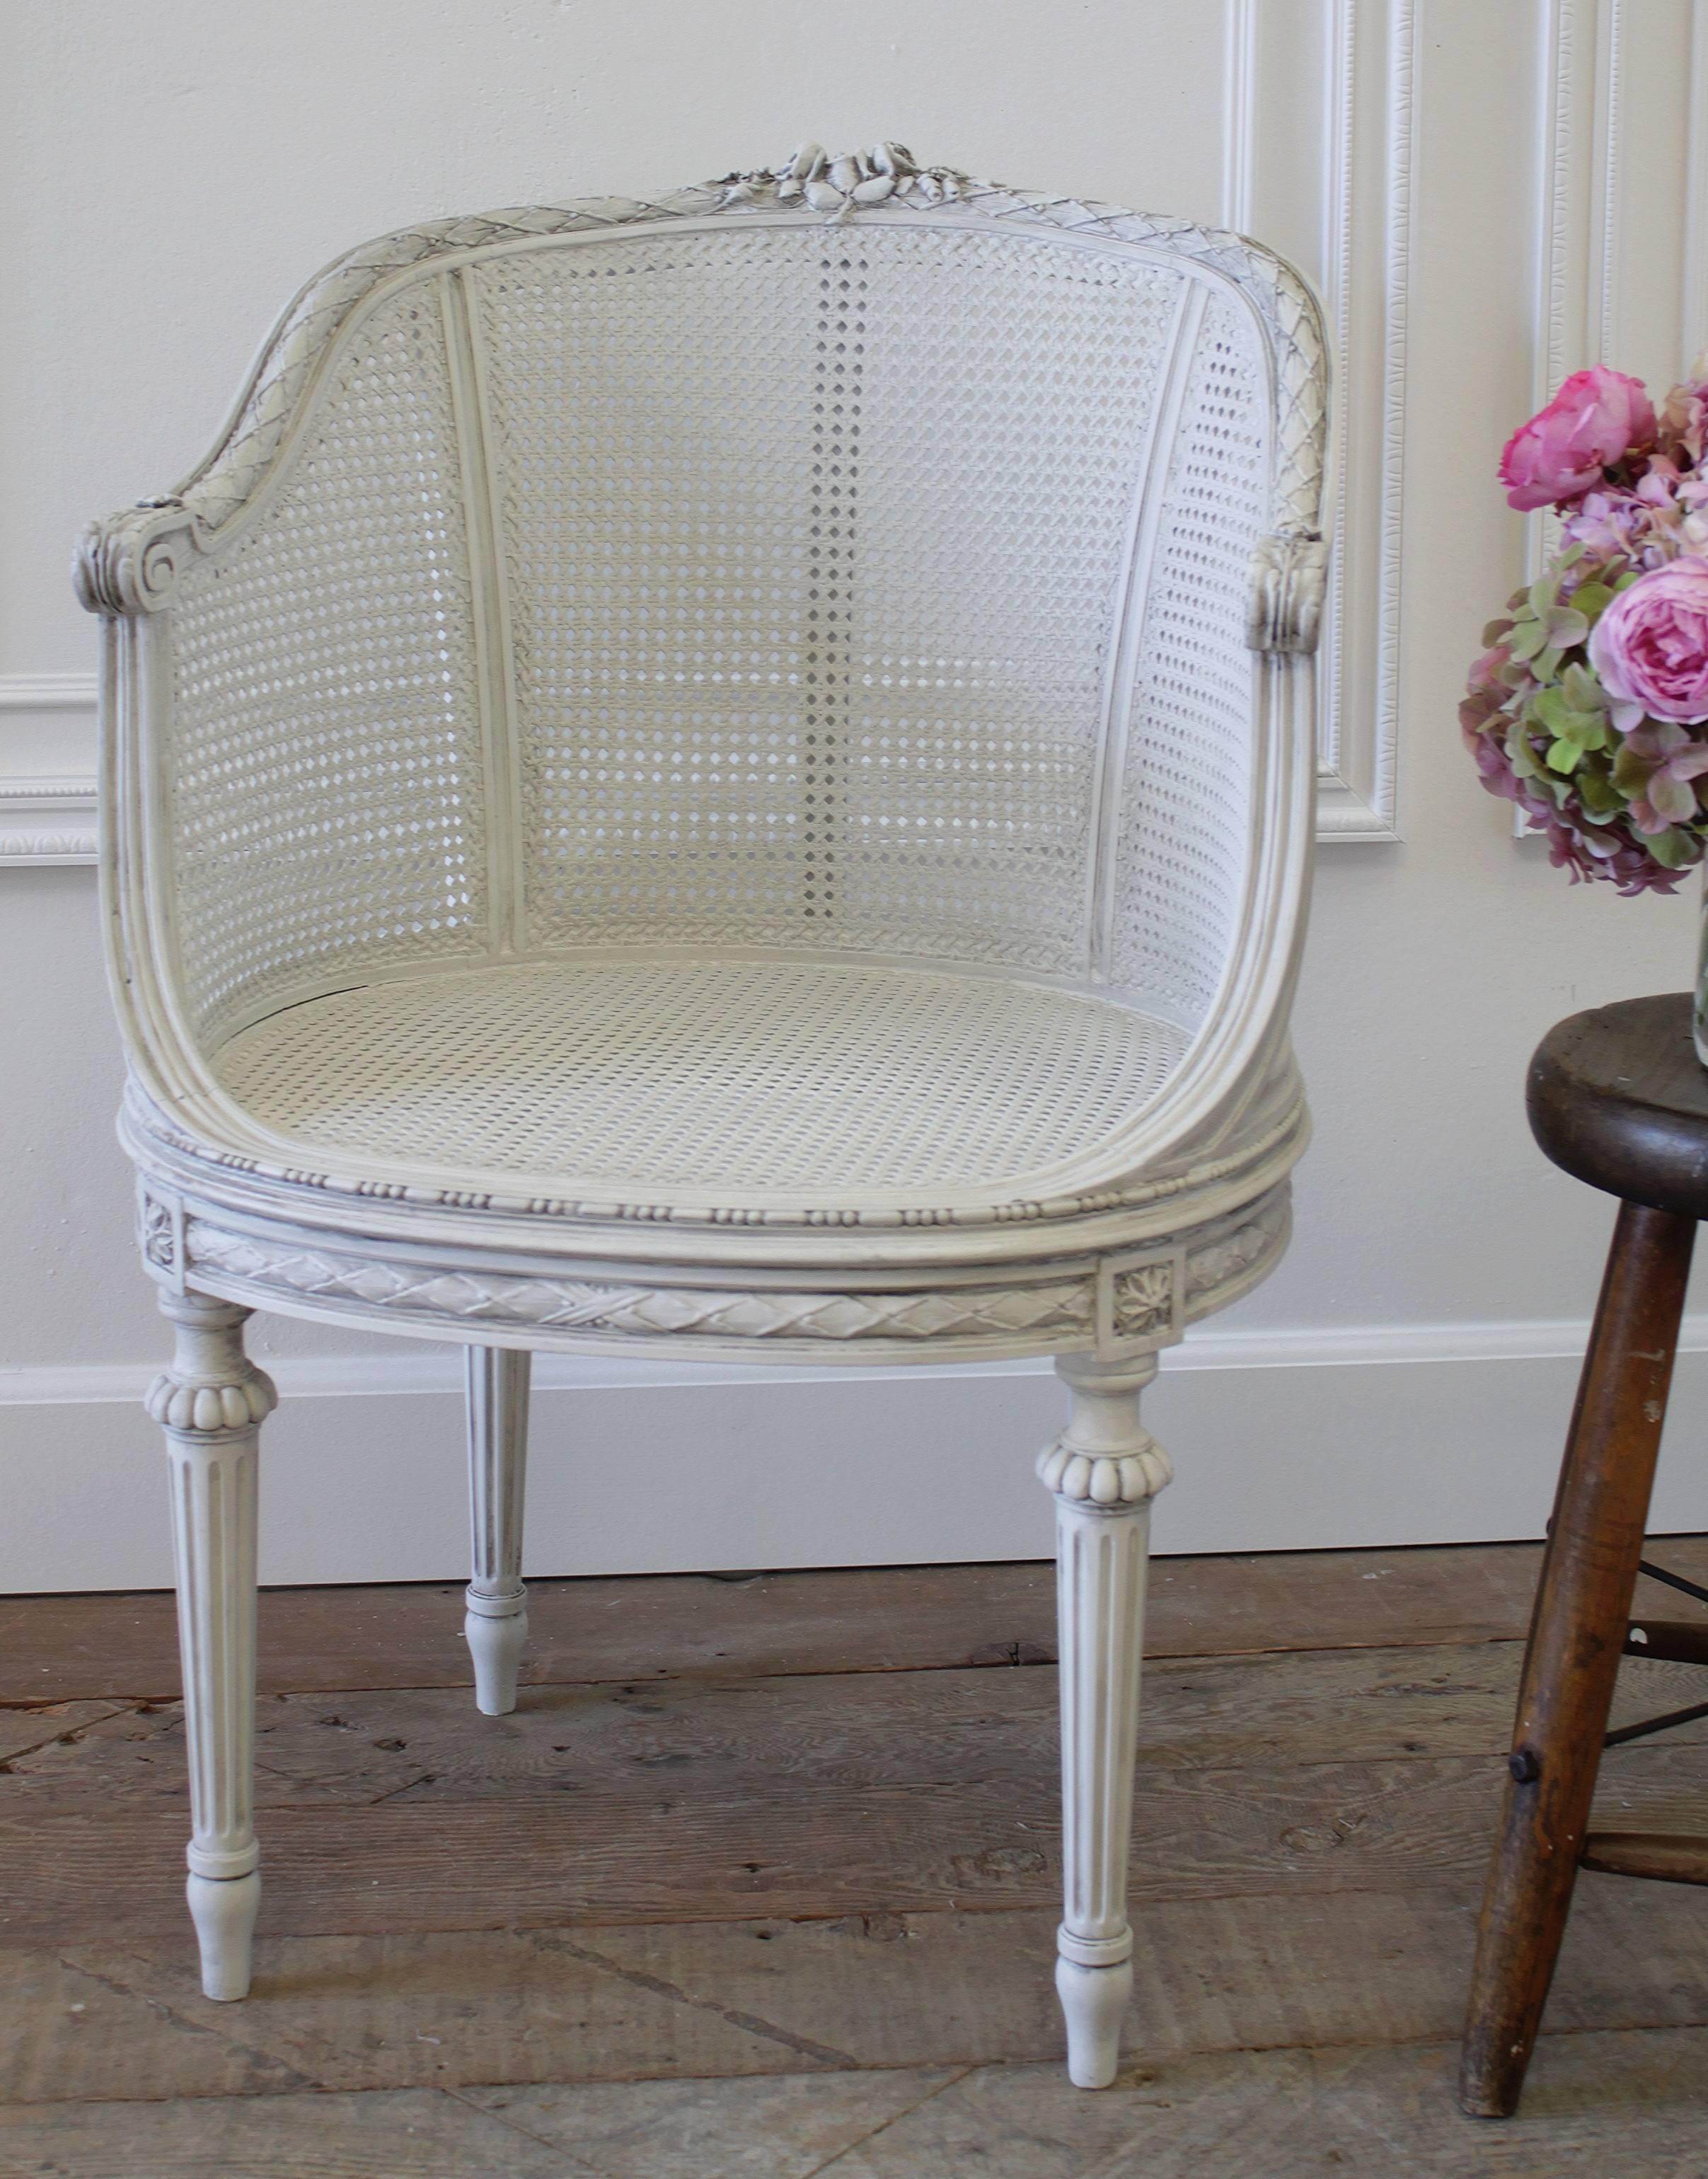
[[494, 1623], [211, 1400], [1100, 1245], [1104, 1470]]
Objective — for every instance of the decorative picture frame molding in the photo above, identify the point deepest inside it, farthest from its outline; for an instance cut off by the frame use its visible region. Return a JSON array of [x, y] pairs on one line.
[[1600, 62], [1595, 303], [1337, 77], [48, 818]]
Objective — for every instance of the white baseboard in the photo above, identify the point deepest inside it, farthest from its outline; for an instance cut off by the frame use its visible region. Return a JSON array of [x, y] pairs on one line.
[[1286, 1441]]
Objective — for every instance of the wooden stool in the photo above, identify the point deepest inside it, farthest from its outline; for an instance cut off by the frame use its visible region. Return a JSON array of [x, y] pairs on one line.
[[1618, 1098]]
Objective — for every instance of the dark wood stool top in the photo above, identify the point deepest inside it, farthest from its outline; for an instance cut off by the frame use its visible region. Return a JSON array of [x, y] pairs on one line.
[[1618, 1098]]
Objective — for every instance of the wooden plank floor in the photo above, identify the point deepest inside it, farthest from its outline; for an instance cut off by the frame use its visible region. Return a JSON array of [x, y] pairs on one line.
[[760, 1880]]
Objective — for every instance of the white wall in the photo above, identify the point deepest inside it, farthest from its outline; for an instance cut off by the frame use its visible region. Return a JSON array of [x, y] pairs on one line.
[[171, 173]]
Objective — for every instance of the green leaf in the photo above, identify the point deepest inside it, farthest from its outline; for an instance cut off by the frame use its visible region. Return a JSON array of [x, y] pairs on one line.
[[1597, 793], [1564, 756], [1544, 595], [1592, 600], [1528, 638], [1630, 772], [1522, 757], [1584, 691], [1675, 848], [1567, 627], [1630, 576]]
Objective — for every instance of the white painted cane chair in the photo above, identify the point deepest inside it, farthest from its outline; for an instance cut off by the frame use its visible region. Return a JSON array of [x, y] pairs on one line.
[[730, 775]]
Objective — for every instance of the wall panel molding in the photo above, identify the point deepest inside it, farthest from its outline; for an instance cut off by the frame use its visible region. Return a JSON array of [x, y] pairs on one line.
[[46, 816], [48, 692], [1622, 157], [1318, 112], [1622, 151]]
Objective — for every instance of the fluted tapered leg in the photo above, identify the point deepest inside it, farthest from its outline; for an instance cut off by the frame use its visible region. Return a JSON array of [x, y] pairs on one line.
[[495, 1623], [211, 1402], [1104, 1469]]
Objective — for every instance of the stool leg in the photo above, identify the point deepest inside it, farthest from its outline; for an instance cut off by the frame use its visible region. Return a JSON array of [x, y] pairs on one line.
[[496, 1603], [1577, 1634]]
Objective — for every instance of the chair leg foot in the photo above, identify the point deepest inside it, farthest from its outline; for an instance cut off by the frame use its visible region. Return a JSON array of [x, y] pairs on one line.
[[495, 1645], [495, 1623], [1104, 1469], [223, 1909], [1577, 1634], [1094, 2004]]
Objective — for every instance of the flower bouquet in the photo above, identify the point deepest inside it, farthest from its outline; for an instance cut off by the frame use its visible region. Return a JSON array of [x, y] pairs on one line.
[[1588, 706]]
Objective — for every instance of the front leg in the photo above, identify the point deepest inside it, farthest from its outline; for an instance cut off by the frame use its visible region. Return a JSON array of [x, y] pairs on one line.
[[1104, 1469], [496, 1618], [210, 1402]]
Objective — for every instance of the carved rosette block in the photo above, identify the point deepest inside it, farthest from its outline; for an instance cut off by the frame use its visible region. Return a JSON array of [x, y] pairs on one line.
[[1104, 1470], [495, 1617], [210, 1402]]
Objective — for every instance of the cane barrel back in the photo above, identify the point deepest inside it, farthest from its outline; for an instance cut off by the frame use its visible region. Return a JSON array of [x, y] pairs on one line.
[[871, 576]]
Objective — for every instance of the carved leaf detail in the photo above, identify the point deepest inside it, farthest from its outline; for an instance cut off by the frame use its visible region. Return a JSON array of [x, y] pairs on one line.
[[961, 1313]]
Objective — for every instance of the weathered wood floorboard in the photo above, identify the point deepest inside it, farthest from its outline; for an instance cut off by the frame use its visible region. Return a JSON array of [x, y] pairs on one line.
[[753, 1736], [808, 1834], [673, 2001], [862, 1619], [971, 1834], [1630, 2103]]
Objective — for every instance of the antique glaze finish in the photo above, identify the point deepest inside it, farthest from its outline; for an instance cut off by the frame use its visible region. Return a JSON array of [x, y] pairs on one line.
[[761, 805]]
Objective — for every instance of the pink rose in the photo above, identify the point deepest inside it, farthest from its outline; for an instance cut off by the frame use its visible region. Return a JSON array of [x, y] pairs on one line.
[[1596, 418], [1651, 645]]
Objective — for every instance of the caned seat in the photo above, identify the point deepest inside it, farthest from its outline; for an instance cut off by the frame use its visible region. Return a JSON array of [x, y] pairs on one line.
[[724, 775], [767, 1080]]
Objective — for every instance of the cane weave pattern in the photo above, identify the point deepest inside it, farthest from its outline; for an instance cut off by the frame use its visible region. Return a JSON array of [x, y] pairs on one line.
[[1004, 397], [221, 486], [326, 800], [847, 559], [653, 402], [653, 1075], [1184, 822], [812, 539]]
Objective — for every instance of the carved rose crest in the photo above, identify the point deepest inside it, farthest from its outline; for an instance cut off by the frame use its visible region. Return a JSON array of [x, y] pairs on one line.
[[810, 178]]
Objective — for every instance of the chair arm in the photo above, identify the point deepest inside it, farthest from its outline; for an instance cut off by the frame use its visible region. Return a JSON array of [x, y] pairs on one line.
[[129, 561]]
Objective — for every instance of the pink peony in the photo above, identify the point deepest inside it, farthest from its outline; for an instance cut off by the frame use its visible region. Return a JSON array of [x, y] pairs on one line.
[[1651, 645], [1596, 419]]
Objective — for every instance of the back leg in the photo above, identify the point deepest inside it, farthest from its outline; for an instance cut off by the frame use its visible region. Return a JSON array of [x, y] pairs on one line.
[[495, 1623]]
